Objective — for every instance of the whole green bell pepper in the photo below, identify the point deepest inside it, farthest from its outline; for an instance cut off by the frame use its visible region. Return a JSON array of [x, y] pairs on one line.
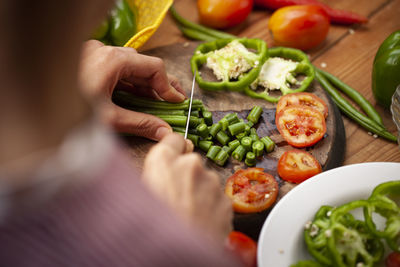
[[304, 67], [122, 23], [386, 69], [228, 60]]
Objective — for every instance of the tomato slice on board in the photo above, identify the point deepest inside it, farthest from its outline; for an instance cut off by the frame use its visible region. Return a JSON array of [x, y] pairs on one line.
[[300, 126], [242, 246], [251, 190], [393, 260], [296, 165], [304, 99]]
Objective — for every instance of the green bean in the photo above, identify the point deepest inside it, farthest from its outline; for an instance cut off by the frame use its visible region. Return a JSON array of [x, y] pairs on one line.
[[199, 28], [250, 159], [224, 123], [207, 115], [221, 157], [161, 111], [205, 145], [268, 144], [250, 124], [239, 153], [194, 113], [176, 120], [202, 130], [236, 128], [130, 101], [234, 144], [351, 112], [232, 118], [196, 35], [213, 152], [258, 148], [240, 136], [255, 114], [253, 134], [355, 96], [215, 128], [223, 138], [183, 129], [228, 149], [246, 143]]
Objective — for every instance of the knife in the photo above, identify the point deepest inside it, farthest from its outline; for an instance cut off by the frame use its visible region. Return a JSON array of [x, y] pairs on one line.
[[190, 106]]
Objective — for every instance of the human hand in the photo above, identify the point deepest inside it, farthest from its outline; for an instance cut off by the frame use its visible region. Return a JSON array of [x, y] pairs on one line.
[[105, 68], [182, 181]]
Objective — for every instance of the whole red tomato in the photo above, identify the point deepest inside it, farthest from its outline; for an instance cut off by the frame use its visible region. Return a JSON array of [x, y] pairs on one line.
[[222, 14], [393, 260], [244, 247], [301, 26]]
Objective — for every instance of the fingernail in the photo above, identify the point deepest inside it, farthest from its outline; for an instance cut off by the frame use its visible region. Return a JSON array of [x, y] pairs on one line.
[[161, 132]]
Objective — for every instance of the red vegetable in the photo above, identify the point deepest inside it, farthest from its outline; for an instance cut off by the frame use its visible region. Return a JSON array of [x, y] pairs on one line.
[[244, 247], [223, 14], [393, 260], [336, 15]]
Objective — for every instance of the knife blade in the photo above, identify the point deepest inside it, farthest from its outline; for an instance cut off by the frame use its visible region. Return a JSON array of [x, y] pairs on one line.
[[190, 106]]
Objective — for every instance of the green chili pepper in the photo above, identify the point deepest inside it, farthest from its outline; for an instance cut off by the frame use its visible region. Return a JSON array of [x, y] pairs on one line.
[[206, 50], [303, 67], [122, 23], [386, 69]]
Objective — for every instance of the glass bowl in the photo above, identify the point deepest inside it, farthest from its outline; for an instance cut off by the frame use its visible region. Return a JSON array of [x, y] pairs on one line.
[[395, 109]]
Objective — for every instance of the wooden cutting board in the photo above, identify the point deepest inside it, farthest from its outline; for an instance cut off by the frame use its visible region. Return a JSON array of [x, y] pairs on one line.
[[329, 151]]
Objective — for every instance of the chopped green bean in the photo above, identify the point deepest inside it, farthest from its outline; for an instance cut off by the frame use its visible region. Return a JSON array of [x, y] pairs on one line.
[[250, 124], [232, 118], [213, 152], [192, 137], [239, 153], [161, 111], [221, 157], [234, 144], [223, 138], [250, 159], [207, 115], [194, 113], [202, 130], [246, 143], [258, 148], [215, 128], [228, 149], [268, 143], [236, 128], [205, 145], [247, 129], [175, 120], [183, 129], [255, 114], [224, 123], [240, 136]]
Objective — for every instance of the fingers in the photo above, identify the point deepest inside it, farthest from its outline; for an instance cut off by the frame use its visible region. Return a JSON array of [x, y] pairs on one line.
[[152, 69], [174, 82], [136, 123]]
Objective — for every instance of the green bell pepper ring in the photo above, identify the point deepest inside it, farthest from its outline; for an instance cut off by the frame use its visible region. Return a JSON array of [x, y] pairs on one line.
[[382, 204], [350, 242], [209, 49], [303, 67], [122, 23], [386, 69]]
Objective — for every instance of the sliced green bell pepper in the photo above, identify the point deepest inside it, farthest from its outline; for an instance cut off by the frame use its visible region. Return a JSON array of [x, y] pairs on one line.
[[383, 204], [386, 69], [226, 61], [304, 67]]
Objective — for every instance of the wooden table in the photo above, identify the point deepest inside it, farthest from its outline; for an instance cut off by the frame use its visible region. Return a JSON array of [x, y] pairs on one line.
[[348, 53]]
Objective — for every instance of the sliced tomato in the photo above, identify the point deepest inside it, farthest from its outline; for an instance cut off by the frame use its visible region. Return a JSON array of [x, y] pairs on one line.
[[393, 260], [242, 246], [296, 165], [300, 126], [251, 190], [304, 99]]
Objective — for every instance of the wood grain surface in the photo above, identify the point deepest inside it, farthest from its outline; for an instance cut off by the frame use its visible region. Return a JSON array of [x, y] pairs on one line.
[[329, 151], [348, 53]]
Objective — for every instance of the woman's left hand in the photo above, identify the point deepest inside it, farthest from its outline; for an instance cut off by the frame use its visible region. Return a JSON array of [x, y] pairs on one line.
[[106, 68]]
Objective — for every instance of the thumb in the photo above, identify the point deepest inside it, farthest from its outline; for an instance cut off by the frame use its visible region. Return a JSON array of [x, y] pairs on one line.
[[132, 122]]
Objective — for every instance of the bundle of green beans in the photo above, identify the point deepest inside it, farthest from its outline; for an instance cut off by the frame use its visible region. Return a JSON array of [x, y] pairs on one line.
[[229, 136], [196, 31], [371, 121]]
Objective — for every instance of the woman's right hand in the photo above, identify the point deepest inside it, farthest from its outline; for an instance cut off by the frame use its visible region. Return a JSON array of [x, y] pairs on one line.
[[180, 178]]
